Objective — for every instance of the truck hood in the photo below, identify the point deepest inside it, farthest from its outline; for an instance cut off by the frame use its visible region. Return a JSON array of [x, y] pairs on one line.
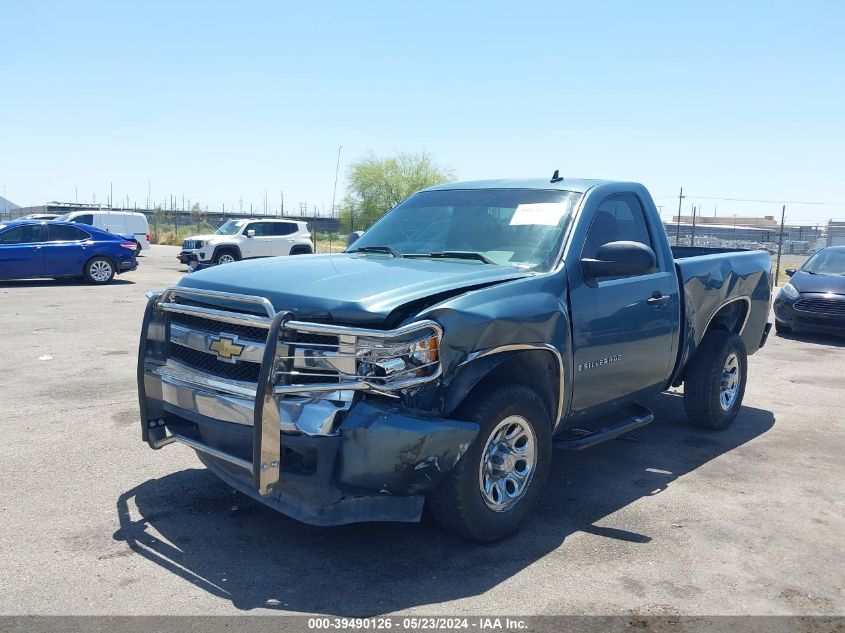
[[348, 288]]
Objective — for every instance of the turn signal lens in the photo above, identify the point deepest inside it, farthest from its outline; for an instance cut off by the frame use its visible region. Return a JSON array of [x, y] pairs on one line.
[[425, 351]]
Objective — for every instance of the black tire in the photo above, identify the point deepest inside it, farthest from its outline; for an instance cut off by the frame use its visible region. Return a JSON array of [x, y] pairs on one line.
[[458, 503], [301, 250], [782, 328], [99, 270], [703, 399], [223, 252]]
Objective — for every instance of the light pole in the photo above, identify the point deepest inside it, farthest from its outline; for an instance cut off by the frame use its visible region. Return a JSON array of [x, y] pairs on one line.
[[336, 170]]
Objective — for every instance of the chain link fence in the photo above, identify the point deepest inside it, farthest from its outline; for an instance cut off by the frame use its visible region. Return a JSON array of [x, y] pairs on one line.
[[790, 243]]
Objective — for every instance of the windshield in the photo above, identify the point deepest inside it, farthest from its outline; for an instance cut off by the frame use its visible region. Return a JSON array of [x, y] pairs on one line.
[[229, 228], [62, 218], [522, 228], [826, 262]]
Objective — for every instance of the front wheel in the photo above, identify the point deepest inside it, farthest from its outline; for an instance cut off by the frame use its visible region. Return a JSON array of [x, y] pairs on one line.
[[715, 383], [225, 257], [99, 270], [498, 480]]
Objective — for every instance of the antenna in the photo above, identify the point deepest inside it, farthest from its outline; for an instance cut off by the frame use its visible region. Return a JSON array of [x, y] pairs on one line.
[[556, 176]]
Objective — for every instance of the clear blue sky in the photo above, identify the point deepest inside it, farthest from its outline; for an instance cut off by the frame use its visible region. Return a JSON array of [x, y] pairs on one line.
[[217, 101]]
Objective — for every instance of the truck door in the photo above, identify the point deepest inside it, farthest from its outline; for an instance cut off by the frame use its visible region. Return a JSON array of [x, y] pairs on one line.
[[622, 327]]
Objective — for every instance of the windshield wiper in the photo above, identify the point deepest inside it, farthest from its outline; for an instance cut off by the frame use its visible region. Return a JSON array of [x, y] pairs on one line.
[[378, 249], [462, 255]]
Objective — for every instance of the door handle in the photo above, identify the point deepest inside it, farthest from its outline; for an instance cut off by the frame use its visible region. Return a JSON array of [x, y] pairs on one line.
[[36, 248], [657, 298]]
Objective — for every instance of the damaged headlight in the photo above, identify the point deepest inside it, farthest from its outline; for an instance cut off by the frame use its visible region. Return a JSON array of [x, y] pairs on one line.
[[788, 291], [390, 362]]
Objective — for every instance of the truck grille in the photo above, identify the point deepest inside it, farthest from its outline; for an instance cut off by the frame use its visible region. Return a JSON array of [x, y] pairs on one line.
[[195, 353], [210, 364], [223, 336], [190, 245], [210, 326], [822, 305]]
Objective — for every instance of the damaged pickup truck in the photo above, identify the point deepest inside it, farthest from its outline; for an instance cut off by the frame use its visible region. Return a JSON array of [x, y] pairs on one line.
[[473, 329]]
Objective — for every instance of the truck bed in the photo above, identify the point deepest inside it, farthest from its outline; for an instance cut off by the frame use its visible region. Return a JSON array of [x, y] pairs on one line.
[[734, 283]]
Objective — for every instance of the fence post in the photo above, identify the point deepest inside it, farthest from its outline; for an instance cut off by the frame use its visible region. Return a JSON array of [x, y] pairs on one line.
[[780, 243]]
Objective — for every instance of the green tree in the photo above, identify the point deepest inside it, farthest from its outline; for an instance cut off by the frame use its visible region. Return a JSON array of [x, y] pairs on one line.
[[376, 185]]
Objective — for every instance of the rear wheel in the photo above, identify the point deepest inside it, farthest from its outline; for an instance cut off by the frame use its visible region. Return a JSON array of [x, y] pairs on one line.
[[301, 250], [99, 270], [498, 480], [715, 382], [225, 257]]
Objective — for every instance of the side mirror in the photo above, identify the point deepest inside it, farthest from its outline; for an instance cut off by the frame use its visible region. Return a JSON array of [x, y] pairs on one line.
[[353, 237], [790, 271], [250, 233], [620, 259]]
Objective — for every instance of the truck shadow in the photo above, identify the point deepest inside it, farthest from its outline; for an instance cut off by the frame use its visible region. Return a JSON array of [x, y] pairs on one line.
[[191, 524]]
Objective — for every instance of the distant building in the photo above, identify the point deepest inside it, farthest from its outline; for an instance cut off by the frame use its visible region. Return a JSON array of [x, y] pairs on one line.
[[836, 233], [765, 222]]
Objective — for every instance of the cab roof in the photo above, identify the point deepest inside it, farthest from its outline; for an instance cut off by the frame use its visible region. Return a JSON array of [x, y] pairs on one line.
[[579, 185]]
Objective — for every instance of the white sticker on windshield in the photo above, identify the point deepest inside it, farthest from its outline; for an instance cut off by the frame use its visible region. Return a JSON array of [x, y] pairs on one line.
[[540, 213]]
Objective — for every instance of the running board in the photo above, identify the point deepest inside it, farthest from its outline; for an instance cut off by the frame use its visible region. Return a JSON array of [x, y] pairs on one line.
[[604, 434]]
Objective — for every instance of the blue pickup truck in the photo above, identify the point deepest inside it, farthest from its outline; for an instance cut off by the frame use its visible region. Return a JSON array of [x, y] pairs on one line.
[[472, 330]]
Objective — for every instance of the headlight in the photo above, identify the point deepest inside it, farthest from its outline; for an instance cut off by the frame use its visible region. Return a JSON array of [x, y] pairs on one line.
[[788, 291], [389, 361]]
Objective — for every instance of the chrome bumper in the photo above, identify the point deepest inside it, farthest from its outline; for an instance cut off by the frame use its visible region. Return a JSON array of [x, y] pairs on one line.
[[373, 439]]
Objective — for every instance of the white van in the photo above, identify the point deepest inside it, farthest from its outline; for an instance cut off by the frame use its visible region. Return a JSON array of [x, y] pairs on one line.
[[120, 222]]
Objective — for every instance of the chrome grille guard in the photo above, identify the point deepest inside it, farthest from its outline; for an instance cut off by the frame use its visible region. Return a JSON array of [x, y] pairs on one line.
[[278, 372]]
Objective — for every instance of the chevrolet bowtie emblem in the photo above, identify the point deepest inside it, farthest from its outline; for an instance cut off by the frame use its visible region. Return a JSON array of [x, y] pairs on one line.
[[226, 348]]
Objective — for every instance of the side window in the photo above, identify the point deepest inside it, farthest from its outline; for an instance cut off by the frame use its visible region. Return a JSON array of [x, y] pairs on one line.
[[262, 229], [284, 228], [619, 217], [64, 233], [84, 219], [21, 234]]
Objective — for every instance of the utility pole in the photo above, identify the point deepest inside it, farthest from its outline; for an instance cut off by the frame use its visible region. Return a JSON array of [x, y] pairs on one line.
[[282, 196], [678, 227], [336, 169], [692, 235], [75, 194], [149, 194], [780, 242]]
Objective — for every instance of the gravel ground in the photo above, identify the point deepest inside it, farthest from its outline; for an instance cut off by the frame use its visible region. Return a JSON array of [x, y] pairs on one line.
[[750, 520]]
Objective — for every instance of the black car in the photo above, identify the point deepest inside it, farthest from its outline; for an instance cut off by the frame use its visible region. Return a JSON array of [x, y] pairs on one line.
[[814, 297]]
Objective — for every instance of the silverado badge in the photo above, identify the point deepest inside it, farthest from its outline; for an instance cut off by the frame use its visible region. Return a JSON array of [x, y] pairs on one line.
[[226, 348]]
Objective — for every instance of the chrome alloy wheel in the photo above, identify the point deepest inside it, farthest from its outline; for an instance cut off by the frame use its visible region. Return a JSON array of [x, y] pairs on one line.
[[507, 463], [730, 382], [226, 258], [100, 270]]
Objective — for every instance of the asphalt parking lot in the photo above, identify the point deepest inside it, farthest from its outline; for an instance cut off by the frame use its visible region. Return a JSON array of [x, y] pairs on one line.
[[674, 520]]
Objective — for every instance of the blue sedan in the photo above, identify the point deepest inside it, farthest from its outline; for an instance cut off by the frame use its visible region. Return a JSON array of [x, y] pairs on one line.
[[30, 249]]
